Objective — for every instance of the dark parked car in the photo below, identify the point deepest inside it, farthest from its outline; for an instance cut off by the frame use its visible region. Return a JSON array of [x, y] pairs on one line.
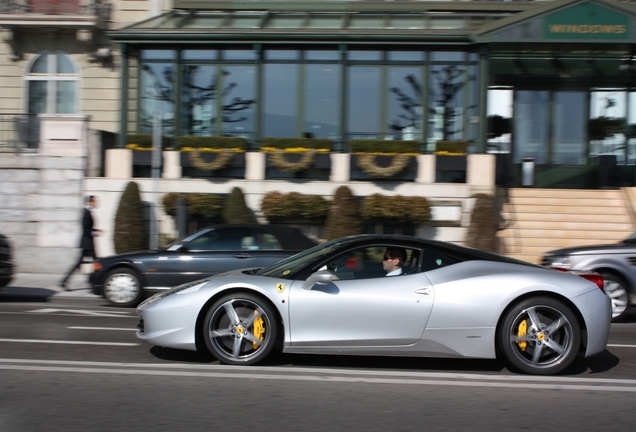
[[616, 262], [122, 279], [6, 261]]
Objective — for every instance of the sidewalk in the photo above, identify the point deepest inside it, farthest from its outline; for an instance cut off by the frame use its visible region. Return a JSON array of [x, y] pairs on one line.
[[78, 284]]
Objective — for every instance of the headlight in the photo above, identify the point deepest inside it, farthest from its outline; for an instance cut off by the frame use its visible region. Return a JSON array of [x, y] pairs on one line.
[[563, 262]]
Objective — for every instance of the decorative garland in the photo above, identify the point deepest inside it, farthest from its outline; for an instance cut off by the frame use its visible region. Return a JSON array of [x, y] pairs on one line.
[[366, 163], [281, 163], [221, 160]]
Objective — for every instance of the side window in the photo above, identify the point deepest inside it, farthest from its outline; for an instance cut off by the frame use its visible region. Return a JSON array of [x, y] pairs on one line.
[[52, 84], [368, 262], [232, 239], [269, 242]]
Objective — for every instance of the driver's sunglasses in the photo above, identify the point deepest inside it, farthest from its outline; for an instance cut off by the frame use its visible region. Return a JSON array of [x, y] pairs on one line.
[[386, 258]]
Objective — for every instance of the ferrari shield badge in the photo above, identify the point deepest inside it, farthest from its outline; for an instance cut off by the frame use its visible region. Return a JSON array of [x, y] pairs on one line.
[[280, 288]]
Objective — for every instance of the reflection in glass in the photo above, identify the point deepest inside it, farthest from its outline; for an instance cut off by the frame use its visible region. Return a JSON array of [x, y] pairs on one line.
[[322, 101], [322, 55], [569, 114], [157, 96], [239, 54], [364, 55], [446, 90], [158, 54], [531, 126], [499, 120], [65, 97], [198, 100], [64, 65], [40, 65], [363, 103], [238, 98], [631, 130], [606, 126], [280, 106], [405, 103], [37, 97], [206, 54]]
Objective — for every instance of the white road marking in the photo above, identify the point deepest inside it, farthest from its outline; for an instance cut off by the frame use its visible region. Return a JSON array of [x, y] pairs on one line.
[[325, 375], [117, 314], [63, 342], [101, 328]]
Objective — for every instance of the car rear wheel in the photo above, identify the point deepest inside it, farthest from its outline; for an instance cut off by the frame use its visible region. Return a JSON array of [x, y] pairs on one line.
[[539, 336], [240, 329], [616, 289], [122, 287]]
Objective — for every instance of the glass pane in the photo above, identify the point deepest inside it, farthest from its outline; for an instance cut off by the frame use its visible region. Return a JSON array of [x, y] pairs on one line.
[[65, 97], [499, 120], [205, 22], [239, 100], [246, 22], [447, 56], [569, 116], [631, 130], [280, 105], [405, 103], [198, 100], [608, 109], [410, 56], [446, 90], [450, 23], [322, 101], [158, 54], [288, 22], [322, 55], [206, 54], [281, 55], [64, 65], [325, 21], [40, 66], [366, 22], [363, 103], [364, 55], [157, 95], [407, 22], [37, 97], [531, 126], [239, 55]]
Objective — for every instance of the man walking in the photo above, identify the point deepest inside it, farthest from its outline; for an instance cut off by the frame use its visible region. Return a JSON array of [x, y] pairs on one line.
[[87, 244]]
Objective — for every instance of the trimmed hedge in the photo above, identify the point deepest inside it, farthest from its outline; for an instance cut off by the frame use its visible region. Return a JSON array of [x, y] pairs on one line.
[[396, 209], [344, 215], [236, 210], [277, 206], [384, 146], [217, 142], [198, 204], [482, 231], [131, 233], [309, 143], [452, 146], [145, 140]]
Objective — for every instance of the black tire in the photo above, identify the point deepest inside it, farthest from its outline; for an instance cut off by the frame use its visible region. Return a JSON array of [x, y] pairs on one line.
[[240, 329], [539, 336], [616, 289], [122, 287]]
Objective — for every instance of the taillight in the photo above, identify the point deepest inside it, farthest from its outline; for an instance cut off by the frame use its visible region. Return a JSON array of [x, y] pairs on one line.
[[97, 266], [595, 278]]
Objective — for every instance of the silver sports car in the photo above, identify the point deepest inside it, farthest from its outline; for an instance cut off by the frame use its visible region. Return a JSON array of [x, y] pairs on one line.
[[389, 296]]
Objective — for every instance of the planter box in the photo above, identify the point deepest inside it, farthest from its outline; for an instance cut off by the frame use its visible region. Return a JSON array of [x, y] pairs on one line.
[[234, 169], [320, 169], [450, 169], [409, 173], [142, 163]]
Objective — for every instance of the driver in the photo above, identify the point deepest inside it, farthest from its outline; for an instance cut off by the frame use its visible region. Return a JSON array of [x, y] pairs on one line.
[[393, 260]]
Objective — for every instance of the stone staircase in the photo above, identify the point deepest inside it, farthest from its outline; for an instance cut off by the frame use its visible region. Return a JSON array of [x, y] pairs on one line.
[[539, 220]]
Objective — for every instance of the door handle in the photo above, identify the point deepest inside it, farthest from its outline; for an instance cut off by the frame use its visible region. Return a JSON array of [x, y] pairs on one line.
[[423, 291], [243, 255]]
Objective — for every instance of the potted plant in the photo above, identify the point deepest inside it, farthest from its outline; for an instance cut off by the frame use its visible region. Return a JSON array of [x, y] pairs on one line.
[[450, 161], [383, 159], [293, 157]]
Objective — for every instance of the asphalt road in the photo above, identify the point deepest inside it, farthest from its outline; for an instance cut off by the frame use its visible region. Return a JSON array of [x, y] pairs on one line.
[[74, 363]]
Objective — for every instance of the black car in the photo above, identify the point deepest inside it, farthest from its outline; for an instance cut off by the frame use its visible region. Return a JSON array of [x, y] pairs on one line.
[[6, 261], [123, 279]]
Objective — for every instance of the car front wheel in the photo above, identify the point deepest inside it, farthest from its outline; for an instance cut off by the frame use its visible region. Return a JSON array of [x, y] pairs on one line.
[[122, 287], [616, 289], [240, 329], [539, 336]]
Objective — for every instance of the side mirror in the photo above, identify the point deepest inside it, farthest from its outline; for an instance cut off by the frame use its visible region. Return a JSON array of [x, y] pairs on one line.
[[322, 277]]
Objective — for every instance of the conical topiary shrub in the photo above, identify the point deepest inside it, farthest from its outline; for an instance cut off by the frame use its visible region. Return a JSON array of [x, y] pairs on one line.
[[344, 215], [482, 231], [236, 211], [131, 233]]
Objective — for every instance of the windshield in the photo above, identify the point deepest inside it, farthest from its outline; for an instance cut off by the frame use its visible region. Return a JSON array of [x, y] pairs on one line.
[[289, 266], [630, 239]]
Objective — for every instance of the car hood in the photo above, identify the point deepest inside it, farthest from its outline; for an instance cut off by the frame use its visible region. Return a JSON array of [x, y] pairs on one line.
[[616, 248]]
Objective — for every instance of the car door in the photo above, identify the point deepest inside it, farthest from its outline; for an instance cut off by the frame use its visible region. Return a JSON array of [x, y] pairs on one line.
[[214, 251], [363, 307]]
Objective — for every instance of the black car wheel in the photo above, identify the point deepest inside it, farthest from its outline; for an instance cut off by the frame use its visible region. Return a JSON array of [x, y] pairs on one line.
[[240, 329], [616, 289], [539, 336], [122, 287]]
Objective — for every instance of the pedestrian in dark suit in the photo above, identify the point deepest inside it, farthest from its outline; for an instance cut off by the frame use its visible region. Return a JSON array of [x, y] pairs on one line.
[[87, 244]]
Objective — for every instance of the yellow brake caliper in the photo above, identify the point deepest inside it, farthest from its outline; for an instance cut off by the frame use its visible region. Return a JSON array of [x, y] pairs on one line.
[[521, 331], [258, 329]]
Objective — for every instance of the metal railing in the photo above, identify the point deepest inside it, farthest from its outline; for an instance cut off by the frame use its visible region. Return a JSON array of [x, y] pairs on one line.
[[100, 8], [19, 132]]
